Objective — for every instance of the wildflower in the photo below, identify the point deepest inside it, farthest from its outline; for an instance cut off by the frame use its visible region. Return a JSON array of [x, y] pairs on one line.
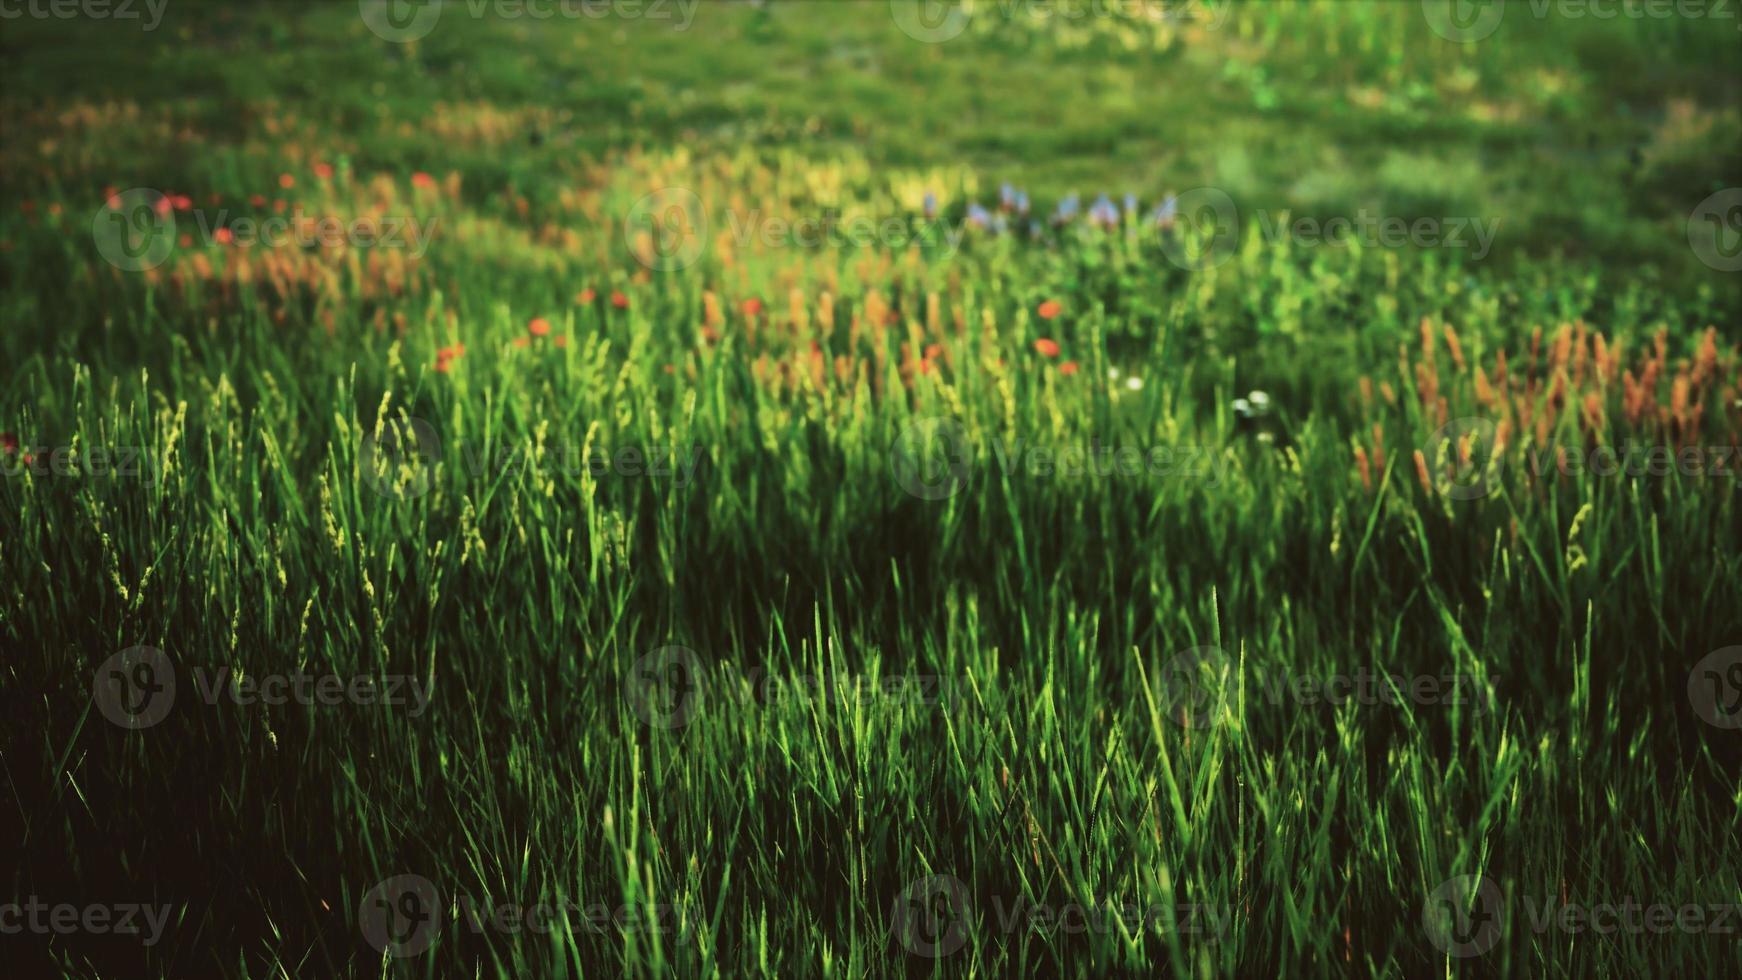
[[1103, 213], [933, 351], [1134, 383], [182, 202], [585, 296], [1022, 202], [752, 306], [523, 342], [1007, 196], [324, 171], [1067, 210], [1131, 205], [1068, 368], [619, 300], [560, 340], [8, 443], [979, 217], [1050, 309], [224, 236], [185, 241], [286, 181], [1165, 212], [1047, 347], [257, 200], [539, 327], [931, 205], [422, 181]]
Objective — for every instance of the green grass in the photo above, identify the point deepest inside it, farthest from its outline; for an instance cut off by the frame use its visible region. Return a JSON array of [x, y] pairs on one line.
[[1027, 637]]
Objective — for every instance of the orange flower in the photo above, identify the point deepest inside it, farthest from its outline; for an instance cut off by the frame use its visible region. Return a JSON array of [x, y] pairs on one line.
[[324, 171], [585, 296], [1068, 368], [752, 306], [286, 181], [523, 342], [560, 340], [257, 200], [539, 327], [619, 300], [1046, 347], [224, 236], [422, 180], [1050, 309]]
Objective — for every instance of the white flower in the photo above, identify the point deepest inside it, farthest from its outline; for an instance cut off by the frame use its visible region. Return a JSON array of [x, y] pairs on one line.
[[1134, 383]]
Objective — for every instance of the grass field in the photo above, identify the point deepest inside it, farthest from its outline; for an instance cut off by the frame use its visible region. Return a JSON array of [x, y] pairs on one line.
[[693, 490]]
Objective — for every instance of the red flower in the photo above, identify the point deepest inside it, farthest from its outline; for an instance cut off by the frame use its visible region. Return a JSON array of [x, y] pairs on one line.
[[1050, 309], [182, 202], [324, 171], [286, 181], [447, 355], [224, 236], [1046, 347], [1068, 368], [423, 180], [619, 300], [560, 340], [539, 327], [752, 306], [933, 351], [257, 200], [8, 443], [585, 296]]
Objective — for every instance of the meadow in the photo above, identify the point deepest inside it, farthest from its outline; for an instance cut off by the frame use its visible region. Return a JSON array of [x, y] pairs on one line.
[[871, 489]]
